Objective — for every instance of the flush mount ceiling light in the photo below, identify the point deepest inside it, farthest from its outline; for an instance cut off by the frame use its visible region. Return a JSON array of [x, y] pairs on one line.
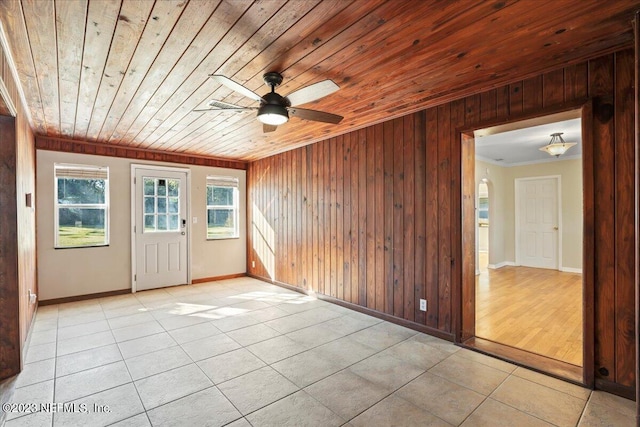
[[557, 146]]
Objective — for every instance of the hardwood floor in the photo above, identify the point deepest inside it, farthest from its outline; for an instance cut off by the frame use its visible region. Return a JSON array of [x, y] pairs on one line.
[[533, 309]]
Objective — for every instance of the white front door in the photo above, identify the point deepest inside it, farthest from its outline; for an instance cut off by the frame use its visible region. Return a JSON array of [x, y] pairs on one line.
[[537, 222], [160, 231]]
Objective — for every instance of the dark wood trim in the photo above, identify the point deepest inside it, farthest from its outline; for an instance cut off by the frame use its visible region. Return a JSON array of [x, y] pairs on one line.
[[98, 149], [636, 62], [10, 345], [588, 246], [128, 291], [355, 307], [467, 246], [216, 278], [468, 283], [536, 362], [576, 104], [615, 388], [84, 297]]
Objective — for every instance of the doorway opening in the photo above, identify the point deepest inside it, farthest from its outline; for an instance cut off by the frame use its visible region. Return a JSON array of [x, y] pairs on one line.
[[526, 302]]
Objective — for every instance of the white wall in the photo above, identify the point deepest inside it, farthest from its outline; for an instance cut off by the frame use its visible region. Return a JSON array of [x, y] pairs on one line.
[[502, 207], [495, 176], [81, 271]]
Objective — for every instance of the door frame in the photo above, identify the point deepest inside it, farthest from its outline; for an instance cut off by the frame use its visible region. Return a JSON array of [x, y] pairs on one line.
[[517, 183], [134, 168], [464, 306]]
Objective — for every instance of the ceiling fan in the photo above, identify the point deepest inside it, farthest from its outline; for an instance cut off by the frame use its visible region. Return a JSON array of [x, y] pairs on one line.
[[274, 108]]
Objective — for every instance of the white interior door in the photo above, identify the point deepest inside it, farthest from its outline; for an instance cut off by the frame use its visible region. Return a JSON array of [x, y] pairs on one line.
[[538, 222], [160, 232]]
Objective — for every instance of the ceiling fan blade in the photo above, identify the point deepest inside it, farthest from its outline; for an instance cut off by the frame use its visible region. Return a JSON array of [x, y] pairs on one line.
[[312, 92], [215, 105], [268, 128], [237, 87], [316, 116]]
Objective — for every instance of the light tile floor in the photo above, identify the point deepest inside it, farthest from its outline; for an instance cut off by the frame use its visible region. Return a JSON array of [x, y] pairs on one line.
[[242, 352]]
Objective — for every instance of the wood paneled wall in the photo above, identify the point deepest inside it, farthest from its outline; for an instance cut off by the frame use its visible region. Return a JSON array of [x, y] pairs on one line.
[[18, 228], [373, 217]]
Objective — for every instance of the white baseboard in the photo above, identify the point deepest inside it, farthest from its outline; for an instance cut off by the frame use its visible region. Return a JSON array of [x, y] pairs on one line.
[[571, 270], [501, 264]]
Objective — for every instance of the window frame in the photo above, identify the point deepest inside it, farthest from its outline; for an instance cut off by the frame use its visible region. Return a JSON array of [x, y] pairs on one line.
[[57, 206], [224, 182]]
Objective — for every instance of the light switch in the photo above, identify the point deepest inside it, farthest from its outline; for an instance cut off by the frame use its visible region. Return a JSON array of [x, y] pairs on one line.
[[195, 219]]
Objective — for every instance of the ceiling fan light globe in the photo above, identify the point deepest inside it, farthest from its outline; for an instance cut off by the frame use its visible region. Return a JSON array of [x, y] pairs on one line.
[[274, 115]]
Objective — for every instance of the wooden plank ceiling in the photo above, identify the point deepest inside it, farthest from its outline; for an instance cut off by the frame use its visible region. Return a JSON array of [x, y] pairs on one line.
[[130, 72]]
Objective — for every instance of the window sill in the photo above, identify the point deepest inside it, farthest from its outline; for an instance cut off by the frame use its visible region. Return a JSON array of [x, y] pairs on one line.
[[81, 247]]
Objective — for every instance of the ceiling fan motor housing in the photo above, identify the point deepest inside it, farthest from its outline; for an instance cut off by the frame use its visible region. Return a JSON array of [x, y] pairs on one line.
[[274, 104], [272, 79]]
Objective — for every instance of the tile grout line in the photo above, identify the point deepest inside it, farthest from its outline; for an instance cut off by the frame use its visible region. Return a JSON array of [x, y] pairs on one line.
[[527, 413], [130, 376], [55, 366], [339, 315], [486, 397], [341, 370]]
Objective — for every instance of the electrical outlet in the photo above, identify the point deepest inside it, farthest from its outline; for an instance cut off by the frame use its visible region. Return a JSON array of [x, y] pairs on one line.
[[423, 305]]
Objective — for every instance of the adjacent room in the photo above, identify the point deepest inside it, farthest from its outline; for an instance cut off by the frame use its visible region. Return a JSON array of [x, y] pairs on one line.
[[529, 237], [319, 212]]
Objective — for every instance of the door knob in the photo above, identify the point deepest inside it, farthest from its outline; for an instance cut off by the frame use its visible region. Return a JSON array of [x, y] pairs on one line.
[[555, 228]]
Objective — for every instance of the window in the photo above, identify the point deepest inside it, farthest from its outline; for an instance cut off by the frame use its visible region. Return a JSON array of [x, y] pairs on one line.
[[161, 204], [483, 204], [81, 206], [222, 207], [483, 208]]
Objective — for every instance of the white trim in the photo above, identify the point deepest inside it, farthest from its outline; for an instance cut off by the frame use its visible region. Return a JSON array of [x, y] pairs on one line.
[[14, 71], [132, 209], [528, 162], [4, 92], [571, 270], [134, 168], [517, 182], [501, 264], [549, 160]]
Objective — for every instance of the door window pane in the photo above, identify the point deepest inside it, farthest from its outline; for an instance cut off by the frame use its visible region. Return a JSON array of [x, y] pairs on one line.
[[174, 187], [174, 205], [162, 187], [173, 222], [149, 204], [162, 222], [149, 222], [162, 205], [149, 187]]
